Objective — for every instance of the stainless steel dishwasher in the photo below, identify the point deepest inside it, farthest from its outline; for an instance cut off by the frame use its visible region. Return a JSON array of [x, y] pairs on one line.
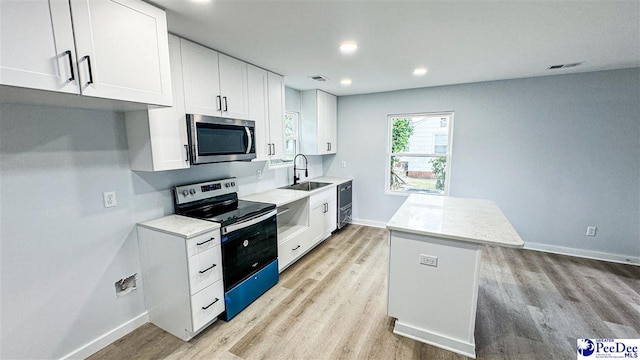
[[344, 204]]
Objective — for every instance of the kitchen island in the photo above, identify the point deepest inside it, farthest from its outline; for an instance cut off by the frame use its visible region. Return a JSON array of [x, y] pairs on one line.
[[434, 266]]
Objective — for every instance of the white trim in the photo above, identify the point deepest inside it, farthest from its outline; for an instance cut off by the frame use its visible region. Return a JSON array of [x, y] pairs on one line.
[[102, 341], [438, 340], [378, 224], [588, 254]]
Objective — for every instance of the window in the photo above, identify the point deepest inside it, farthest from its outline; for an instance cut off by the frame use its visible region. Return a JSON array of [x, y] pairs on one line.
[[291, 140], [419, 153]]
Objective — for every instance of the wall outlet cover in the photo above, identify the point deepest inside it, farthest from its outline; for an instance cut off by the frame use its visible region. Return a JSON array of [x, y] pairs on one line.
[[428, 260], [109, 199], [591, 230]]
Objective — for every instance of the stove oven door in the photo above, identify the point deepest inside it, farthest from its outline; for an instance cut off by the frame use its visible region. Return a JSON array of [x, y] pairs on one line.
[[248, 247]]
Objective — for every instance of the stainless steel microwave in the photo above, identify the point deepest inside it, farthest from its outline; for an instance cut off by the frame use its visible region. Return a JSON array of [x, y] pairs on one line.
[[214, 139]]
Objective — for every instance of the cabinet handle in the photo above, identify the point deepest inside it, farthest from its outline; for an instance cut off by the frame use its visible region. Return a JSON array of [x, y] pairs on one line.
[[88, 58], [274, 149], [186, 152], [329, 146], [225, 103], [204, 242], [208, 306], [73, 75], [219, 103], [296, 248], [207, 269]]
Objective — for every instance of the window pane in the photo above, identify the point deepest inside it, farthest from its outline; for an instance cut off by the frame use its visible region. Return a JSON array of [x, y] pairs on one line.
[[419, 134], [418, 174]]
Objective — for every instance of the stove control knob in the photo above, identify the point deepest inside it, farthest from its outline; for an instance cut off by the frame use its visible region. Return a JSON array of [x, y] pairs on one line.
[[227, 185], [192, 191], [233, 184], [185, 193]]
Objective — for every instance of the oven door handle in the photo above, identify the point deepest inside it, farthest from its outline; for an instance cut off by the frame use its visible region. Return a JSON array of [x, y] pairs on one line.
[[248, 222]]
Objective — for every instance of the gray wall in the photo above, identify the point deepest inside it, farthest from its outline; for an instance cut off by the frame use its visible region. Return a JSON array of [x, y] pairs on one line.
[[61, 251], [556, 153]]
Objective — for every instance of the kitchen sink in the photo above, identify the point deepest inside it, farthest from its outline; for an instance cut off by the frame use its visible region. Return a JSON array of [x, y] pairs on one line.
[[307, 186]]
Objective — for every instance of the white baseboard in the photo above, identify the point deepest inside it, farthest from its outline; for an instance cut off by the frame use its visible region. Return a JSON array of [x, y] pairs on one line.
[[378, 224], [427, 337], [589, 254], [102, 341]]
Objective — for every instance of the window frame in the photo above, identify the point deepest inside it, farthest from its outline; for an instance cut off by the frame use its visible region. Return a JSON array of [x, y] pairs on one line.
[[289, 163], [389, 154]]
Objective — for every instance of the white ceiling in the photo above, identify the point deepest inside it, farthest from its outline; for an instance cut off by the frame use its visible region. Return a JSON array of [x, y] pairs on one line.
[[458, 42]]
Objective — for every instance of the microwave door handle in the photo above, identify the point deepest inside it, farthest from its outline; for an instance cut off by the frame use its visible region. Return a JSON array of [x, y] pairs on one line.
[[249, 139]]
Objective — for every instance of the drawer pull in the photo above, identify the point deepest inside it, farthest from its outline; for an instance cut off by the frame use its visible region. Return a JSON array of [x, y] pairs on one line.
[[204, 242], [73, 76], [208, 306], [296, 248], [207, 269]]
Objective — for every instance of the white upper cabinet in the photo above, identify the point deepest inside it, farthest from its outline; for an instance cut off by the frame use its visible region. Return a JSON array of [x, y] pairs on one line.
[[276, 115], [214, 84], [233, 87], [37, 49], [318, 123], [158, 137], [122, 50], [201, 79], [266, 108], [259, 110]]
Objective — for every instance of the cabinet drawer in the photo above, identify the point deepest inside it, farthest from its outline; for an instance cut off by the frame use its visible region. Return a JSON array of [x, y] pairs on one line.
[[203, 242], [290, 250], [207, 304], [205, 268]]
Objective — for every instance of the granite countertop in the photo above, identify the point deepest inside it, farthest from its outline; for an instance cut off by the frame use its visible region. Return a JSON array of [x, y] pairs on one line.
[[471, 220], [285, 196], [182, 226]]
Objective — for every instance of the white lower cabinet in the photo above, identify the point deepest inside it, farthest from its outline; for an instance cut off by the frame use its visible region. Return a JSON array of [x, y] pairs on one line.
[[304, 224], [323, 214], [182, 278]]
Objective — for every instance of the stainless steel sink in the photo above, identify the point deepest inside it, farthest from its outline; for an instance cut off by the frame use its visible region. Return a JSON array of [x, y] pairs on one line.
[[306, 186]]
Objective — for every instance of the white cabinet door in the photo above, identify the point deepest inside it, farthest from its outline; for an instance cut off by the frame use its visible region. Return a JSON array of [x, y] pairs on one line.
[[233, 87], [332, 123], [201, 80], [276, 115], [331, 217], [158, 137], [323, 130], [122, 50], [37, 49], [168, 126], [316, 224], [259, 110]]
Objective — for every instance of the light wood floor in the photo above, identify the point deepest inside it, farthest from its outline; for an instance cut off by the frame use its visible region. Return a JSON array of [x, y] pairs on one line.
[[332, 305]]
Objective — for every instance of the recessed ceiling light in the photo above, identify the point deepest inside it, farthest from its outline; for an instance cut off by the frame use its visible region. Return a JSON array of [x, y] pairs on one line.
[[420, 71], [345, 82], [348, 47]]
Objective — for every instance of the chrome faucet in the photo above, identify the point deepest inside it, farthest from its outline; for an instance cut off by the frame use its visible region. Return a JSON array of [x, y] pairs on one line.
[[296, 178]]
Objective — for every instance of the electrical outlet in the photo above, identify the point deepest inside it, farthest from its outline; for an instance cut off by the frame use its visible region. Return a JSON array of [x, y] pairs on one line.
[[343, 164], [428, 260], [258, 174], [591, 230], [109, 199]]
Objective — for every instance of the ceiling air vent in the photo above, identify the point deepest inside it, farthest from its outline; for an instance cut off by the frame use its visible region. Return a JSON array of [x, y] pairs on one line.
[[319, 78], [563, 66]]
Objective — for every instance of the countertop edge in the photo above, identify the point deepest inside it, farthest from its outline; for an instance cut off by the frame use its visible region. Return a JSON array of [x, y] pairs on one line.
[[209, 226], [454, 237]]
